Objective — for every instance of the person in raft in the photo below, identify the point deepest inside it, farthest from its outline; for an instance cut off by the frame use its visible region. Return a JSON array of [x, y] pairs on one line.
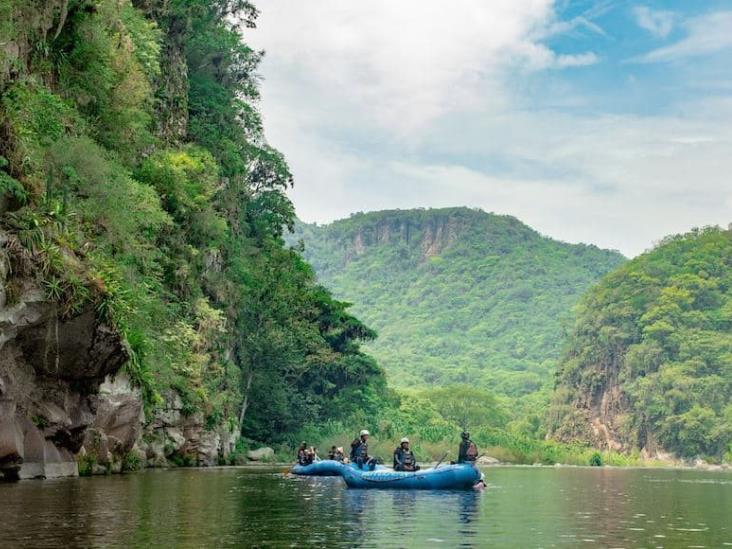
[[303, 455], [360, 452], [468, 451], [336, 454], [404, 459]]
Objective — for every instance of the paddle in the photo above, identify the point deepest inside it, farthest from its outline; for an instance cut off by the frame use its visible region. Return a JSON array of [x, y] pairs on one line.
[[441, 460]]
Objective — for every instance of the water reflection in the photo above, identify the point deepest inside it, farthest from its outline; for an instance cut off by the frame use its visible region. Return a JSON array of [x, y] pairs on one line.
[[525, 507]]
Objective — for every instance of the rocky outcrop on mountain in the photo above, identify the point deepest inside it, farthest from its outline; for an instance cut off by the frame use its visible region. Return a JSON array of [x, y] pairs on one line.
[[431, 235]]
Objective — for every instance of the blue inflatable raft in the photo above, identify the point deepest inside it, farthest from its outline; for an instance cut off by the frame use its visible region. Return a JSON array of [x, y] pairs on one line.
[[446, 477], [326, 468]]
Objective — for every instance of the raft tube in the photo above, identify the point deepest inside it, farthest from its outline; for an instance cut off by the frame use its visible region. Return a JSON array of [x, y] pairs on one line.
[[326, 468], [447, 477]]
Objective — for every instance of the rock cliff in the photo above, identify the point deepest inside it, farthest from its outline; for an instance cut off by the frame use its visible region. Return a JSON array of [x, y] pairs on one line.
[[63, 398], [50, 371]]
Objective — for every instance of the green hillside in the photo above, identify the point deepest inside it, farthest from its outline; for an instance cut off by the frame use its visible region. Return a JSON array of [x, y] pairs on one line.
[[457, 295], [649, 365]]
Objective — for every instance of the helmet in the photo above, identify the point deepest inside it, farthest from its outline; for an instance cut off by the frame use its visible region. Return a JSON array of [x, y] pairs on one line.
[[465, 434], [405, 439], [363, 432]]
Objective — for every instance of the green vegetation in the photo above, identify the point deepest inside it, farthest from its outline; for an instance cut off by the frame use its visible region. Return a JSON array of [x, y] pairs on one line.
[[457, 295], [135, 180], [434, 438], [460, 298], [654, 337]]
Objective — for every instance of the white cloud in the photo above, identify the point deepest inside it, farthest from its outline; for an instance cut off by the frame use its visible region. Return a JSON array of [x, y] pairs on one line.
[[658, 22], [576, 23], [404, 63], [578, 60], [412, 103], [706, 34], [620, 182]]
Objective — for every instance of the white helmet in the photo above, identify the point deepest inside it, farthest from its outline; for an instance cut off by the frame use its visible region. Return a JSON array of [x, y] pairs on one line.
[[405, 439], [363, 432]]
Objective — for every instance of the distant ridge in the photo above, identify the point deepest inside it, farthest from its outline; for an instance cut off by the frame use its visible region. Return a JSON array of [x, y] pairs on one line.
[[456, 294]]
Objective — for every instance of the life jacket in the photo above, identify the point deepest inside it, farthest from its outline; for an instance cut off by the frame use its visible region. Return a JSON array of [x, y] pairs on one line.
[[472, 452], [302, 458], [404, 459]]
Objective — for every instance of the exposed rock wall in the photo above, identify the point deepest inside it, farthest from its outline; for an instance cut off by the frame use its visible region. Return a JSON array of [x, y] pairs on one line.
[[430, 236], [28, 22], [173, 436], [120, 437], [50, 371], [62, 399], [112, 437]]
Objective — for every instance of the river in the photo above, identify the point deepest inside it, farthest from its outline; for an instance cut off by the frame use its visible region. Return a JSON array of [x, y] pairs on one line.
[[260, 507]]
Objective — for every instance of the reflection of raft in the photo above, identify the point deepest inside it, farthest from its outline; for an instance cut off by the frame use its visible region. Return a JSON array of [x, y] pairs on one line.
[[447, 477], [326, 468]]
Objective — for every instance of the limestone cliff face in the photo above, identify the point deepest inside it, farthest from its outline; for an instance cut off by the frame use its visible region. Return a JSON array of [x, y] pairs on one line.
[[50, 372], [596, 414], [33, 23], [173, 436], [429, 236], [51, 366], [64, 400], [64, 397], [120, 435]]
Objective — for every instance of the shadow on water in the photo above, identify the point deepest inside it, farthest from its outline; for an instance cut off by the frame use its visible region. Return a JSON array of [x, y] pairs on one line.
[[522, 507]]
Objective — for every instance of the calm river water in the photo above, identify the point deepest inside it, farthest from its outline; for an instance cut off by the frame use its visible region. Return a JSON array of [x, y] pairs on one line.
[[255, 507]]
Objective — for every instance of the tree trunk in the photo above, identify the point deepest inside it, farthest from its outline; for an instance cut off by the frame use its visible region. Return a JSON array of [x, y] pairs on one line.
[[246, 398]]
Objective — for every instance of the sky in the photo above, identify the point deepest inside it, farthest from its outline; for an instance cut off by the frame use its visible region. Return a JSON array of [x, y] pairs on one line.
[[603, 122]]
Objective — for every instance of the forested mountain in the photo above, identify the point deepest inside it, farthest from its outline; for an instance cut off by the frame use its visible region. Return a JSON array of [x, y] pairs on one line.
[[649, 362], [457, 295], [141, 222]]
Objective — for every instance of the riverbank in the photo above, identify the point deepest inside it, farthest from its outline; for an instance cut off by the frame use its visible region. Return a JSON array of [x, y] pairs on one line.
[[514, 450], [650, 464]]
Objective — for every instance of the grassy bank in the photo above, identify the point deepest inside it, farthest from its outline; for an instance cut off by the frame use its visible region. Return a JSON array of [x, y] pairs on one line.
[[510, 431], [503, 446]]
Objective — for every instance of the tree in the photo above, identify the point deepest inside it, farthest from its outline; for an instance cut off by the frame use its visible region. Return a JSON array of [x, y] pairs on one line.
[[467, 407]]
